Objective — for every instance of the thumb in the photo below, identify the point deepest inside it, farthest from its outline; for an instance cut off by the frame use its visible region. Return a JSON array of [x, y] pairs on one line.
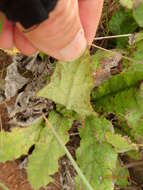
[[61, 35]]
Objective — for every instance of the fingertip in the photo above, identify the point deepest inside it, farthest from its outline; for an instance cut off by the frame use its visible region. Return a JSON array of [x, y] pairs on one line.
[[75, 48], [90, 13]]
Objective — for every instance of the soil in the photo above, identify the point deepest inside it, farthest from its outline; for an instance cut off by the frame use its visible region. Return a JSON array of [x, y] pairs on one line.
[[13, 177]]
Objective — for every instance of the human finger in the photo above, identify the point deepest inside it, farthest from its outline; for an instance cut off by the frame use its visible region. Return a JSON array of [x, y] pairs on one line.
[[6, 33], [90, 13], [22, 43], [61, 35]]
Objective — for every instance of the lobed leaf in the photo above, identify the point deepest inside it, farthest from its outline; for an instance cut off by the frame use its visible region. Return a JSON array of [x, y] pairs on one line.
[[127, 3], [17, 142], [121, 144], [138, 14], [121, 176], [71, 85], [122, 94], [117, 25], [96, 158], [43, 162]]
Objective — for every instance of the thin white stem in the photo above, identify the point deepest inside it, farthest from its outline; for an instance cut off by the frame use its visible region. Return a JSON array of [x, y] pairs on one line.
[[111, 37], [78, 170], [110, 51]]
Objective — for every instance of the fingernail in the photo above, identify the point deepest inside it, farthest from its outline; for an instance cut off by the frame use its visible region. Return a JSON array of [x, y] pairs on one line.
[[76, 48]]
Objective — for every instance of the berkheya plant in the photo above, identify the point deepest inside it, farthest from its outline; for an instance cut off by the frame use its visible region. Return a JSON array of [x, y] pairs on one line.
[[72, 86]]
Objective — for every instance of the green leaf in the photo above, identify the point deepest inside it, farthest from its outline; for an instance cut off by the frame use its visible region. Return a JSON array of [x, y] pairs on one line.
[[104, 63], [71, 85], [120, 94], [127, 3], [129, 77], [138, 53], [138, 37], [121, 176], [121, 144], [126, 104], [121, 19], [134, 154], [138, 14], [135, 121], [44, 160], [96, 158], [16, 143], [117, 25], [66, 113], [137, 46]]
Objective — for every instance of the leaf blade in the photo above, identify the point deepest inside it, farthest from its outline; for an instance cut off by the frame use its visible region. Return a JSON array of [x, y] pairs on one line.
[[16, 143], [47, 152], [100, 159], [73, 83]]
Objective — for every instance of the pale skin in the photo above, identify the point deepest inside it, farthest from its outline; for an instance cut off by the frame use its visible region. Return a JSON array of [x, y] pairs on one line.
[[65, 35]]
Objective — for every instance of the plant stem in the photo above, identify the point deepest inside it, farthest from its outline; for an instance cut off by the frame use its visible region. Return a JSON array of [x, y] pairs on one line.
[[111, 37], [113, 52], [78, 170]]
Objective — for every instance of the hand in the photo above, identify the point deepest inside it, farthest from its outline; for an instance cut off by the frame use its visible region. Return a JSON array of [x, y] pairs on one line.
[[64, 35]]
